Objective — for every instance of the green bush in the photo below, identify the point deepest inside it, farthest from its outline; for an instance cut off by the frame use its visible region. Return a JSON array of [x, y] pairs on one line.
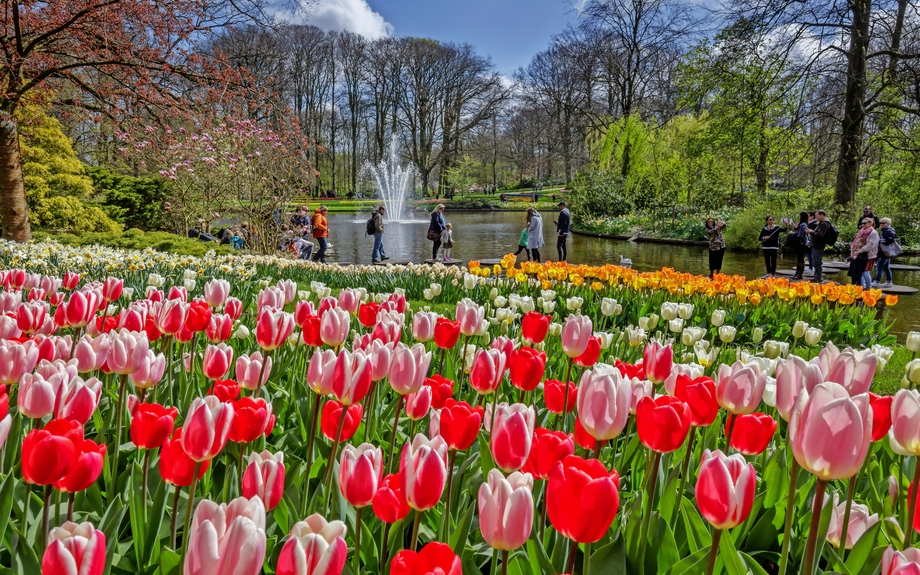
[[134, 202], [135, 239]]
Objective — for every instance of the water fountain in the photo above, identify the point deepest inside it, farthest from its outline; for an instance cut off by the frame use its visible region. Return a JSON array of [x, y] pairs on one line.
[[393, 181]]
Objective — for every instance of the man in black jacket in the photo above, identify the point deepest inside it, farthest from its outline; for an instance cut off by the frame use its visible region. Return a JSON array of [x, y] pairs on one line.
[[817, 244], [562, 228], [867, 213]]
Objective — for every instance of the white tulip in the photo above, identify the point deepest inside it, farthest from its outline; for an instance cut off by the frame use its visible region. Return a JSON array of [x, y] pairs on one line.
[[812, 336], [727, 333], [676, 325], [668, 311], [798, 329], [913, 341], [718, 318], [685, 311]]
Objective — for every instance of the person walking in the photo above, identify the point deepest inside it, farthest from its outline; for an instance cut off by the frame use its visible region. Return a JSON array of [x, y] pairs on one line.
[[713, 231], [562, 228], [867, 213], [769, 238], [522, 241], [435, 228], [378, 254], [887, 237], [447, 240], [870, 249], [534, 233], [320, 232], [820, 238], [798, 241]]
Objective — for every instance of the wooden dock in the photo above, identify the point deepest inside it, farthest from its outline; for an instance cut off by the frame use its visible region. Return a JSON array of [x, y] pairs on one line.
[[895, 267], [790, 273]]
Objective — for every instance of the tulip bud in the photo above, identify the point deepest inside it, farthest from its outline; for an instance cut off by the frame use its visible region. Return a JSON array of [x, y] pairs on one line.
[[75, 549], [757, 335], [314, 542], [812, 336], [506, 509], [226, 538], [264, 478], [727, 333], [798, 329], [913, 341]]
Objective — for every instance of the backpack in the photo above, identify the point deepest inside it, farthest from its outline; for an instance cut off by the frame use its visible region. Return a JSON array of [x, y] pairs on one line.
[[831, 236], [371, 227], [792, 241]]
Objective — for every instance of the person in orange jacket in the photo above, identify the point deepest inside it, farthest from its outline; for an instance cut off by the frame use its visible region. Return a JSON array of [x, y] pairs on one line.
[[320, 232]]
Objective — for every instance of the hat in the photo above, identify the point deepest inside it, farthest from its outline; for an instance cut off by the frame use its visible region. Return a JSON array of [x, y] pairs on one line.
[[561, 204], [323, 208]]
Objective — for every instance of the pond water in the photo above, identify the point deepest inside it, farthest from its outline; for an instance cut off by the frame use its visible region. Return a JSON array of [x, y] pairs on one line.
[[485, 235]]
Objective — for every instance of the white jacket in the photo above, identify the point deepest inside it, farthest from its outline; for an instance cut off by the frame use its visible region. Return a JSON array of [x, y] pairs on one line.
[[535, 239]]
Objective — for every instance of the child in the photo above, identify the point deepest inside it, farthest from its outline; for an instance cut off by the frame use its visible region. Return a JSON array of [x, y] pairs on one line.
[[236, 240], [447, 240], [522, 243]]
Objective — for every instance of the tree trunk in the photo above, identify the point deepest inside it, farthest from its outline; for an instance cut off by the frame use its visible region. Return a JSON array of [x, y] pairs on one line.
[[761, 170], [851, 125], [15, 211]]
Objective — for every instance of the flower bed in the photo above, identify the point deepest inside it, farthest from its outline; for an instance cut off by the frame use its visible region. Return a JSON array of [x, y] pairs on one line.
[[170, 414]]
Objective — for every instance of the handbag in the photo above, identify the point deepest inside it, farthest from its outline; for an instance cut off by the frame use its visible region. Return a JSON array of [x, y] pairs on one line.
[[433, 235], [893, 249]]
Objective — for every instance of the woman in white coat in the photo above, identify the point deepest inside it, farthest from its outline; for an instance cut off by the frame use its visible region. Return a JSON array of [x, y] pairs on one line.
[[535, 233]]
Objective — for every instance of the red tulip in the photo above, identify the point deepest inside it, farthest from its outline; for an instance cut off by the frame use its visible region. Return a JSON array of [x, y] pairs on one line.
[[725, 489], [434, 558], [442, 389], [315, 547], [389, 503], [700, 396], [881, 415], [351, 378], [48, 454], [446, 333], [71, 280], [220, 328], [225, 390], [112, 289], [554, 395], [86, 469], [423, 471], [630, 370], [367, 313], [591, 354], [217, 360], [332, 415], [535, 326], [207, 427], [512, 435], [311, 331], [487, 370], [273, 328], [419, 403], [662, 423], [657, 361], [74, 549], [457, 423], [582, 498], [172, 315], [360, 472], [176, 467], [233, 308], [303, 310], [252, 418], [264, 478], [151, 425], [584, 439], [549, 447], [527, 368], [751, 432]]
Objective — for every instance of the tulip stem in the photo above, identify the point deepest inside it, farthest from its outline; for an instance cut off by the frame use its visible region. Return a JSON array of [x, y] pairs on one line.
[[450, 479], [809, 562], [790, 511], [441, 366], [358, 540], [688, 457], [851, 491], [46, 516], [399, 402], [729, 432], [912, 507], [565, 395], [647, 515], [317, 399], [504, 562], [335, 447], [586, 563], [493, 568], [714, 551], [188, 511], [384, 548], [70, 500], [573, 551], [415, 524], [144, 484], [119, 415], [261, 371]]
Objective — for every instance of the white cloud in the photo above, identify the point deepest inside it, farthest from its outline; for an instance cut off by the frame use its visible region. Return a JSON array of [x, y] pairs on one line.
[[352, 15]]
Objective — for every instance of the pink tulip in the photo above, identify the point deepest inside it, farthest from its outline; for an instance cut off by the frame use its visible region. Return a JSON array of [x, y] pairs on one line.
[[91, 353], [127, 351], [9, 328], [233, 308], [37, 295], [71, 280], [16, 359], [380, 355], [302, 311], [172, 316], [905, 420], [512, 435], [320, 371], [248, 368], [905, 562], [860, 521], [360, 472], [658, 361], [423, 325], [81, 308], [349, 300], [506, 509], [112, 289], [9, 301], [409, 368], [226, 538], [603, 402], [314, 547], [150, 372], [220, 328], [153, 294], [830, 431], [423, 471], [77, 399], [790, 380], [217, 360], [504, 345], [206, 428], [387, 329], [725, 489], [334, 326], [75, 549], [575, 334], [37, 395], [289, 289], [487, 370], [271, 298], [31, 316], [352, 376], [639, 388], [470, 315], [419, 403], [216, 292], [326, 304], [264, 478], [273, 328], [740, 388], [853, 370], [52, 347], [133, 317]]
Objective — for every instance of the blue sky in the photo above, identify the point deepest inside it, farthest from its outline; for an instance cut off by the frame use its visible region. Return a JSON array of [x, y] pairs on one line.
[[510, 31]]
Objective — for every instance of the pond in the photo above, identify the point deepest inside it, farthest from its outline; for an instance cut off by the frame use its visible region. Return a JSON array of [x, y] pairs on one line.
[[486, 235]]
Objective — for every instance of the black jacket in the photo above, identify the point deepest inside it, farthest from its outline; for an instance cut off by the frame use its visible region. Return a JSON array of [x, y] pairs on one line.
[[564, 221], [769, 237], [817, 238]]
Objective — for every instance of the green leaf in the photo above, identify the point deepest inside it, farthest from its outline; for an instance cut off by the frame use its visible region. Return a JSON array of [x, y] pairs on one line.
[[155, 523], [460, 535], [136, 508], [863, 548], [697, 534], [752, 564], [485, 456], [691, 564], [667, 548], [169, 562], [540, 563], [6, 503], [729, 555], [776, 480], [610, 558]]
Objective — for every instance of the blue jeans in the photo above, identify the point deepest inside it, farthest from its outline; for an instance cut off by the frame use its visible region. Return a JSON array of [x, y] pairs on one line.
[[817, 260], [378, 247], [882, 266], [321, 254]]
